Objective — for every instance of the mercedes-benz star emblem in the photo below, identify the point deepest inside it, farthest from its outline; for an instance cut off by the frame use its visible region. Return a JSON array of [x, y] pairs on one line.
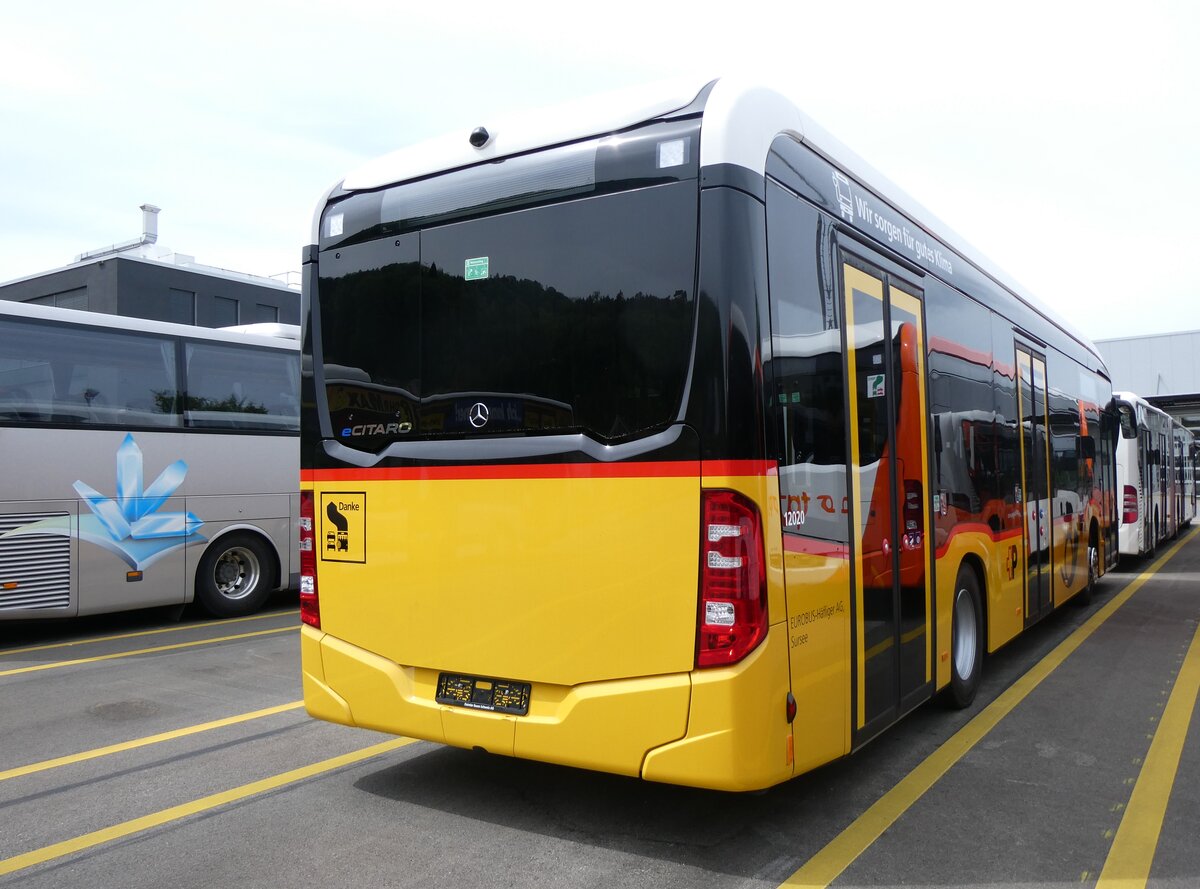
[[478, 415]]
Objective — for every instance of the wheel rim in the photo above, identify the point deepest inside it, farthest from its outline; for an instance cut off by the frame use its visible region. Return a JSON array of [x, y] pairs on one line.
[[965, 634], [236, 573], [1093, 564]]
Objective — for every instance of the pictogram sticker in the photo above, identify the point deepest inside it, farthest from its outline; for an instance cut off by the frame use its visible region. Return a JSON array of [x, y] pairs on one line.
[[343, 535]]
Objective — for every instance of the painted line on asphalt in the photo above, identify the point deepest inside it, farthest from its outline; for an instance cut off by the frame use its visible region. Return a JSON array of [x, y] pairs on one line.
[[844, 849], [98, 752], [177, 628], [175, 813], [121, 654], [1132, 853]]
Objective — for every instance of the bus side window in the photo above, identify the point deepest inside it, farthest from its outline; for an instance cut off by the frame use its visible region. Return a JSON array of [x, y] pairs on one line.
[[26, 382], [238, 388], [808, 402]]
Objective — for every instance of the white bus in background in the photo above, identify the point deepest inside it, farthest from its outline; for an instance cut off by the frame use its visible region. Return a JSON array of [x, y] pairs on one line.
[[145, 464], [1155, 475]]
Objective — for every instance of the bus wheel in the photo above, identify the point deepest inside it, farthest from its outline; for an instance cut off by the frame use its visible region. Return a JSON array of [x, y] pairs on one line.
[[235, 576], [966, 643], [1093, 560]]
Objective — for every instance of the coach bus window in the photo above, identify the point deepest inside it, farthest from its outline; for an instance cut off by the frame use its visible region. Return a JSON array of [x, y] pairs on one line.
[[77, 376], [236, 387]]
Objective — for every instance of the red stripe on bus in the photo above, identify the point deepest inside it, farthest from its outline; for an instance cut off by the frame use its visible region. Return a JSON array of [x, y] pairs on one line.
[[958, 350], [673, 469], [976, 528], [666, 469], [739, 467], [793, 543]]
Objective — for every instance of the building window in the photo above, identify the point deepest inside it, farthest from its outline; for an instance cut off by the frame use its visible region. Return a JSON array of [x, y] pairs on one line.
[[181, 306], [225, 311], [66, 299], [266, 313], [178, 306]]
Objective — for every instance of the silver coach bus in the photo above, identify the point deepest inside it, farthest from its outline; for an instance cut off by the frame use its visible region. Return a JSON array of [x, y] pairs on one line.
[[144, 464]]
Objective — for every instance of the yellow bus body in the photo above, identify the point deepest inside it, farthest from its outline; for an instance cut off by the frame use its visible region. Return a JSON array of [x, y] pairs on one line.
[[585, 586]]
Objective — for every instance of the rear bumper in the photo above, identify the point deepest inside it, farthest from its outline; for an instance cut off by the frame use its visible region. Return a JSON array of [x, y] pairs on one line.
[[1129, 539], [724, 729]]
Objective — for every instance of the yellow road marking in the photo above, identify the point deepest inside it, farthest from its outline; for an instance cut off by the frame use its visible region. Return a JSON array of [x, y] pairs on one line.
[[1132, 852], [174, 813], [173, 629], [120, 654], [146, 741], [825, 867]]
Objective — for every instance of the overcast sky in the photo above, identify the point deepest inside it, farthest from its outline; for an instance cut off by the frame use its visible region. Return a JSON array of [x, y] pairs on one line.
[[1062, 140]]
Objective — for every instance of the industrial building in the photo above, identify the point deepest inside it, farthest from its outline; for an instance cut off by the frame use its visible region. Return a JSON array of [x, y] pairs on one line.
[[1162, 368], [141, 279]]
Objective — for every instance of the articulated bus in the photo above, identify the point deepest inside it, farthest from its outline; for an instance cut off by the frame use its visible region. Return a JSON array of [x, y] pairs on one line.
[[661, 436], [1155, 475], [145, 463]]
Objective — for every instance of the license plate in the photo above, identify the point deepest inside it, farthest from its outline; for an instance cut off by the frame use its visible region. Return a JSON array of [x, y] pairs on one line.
[[497, 695]]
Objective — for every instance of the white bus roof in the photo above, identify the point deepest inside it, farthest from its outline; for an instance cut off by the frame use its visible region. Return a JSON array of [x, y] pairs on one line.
[[741, 120], [267, 328], [14, 309]]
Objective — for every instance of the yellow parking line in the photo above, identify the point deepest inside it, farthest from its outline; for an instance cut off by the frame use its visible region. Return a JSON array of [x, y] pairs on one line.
[[1132, 852], [844, 849], [120, 654], [172, 629], [146, 741], [175, 813]]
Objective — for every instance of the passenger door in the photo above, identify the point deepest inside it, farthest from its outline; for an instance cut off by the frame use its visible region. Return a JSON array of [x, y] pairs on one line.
[[1035, 482], [889, 460]]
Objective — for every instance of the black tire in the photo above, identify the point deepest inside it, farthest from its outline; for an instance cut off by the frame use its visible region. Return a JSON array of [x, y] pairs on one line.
[[966, 641], [235, 576]]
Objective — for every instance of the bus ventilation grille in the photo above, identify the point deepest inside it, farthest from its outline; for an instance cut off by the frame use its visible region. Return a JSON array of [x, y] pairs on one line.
[[35, 569]]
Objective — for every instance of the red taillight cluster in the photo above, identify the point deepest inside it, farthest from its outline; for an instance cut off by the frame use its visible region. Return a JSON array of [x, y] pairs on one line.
[[310, 606], [1130, 513], [733, 579]]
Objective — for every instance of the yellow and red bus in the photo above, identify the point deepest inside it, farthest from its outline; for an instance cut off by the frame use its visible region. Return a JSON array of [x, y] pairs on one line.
[[660, 435]]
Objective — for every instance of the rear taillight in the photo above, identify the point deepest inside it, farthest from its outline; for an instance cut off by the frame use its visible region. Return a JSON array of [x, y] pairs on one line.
[[733, 580], [310, 606], [1130, 513]]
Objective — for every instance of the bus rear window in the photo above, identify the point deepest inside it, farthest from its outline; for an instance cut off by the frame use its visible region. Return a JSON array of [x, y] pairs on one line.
[[574, 316]]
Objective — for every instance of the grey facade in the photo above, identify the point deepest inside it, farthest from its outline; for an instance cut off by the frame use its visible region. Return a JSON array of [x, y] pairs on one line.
[[1162, 368], [140, 287]]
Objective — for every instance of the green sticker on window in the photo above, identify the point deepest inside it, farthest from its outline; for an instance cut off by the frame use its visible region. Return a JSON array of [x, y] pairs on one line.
[[476, 269]]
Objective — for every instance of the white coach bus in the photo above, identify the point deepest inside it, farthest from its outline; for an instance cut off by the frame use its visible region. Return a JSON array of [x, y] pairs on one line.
[[145, 464], [1154, 475]]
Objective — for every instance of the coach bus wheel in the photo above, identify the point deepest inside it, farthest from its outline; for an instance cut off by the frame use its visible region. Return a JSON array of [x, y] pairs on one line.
[[966, 644], [235, 576]]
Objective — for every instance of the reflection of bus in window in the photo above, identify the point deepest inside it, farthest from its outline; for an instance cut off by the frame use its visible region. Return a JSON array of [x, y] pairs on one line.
[[663, 470], [146, 464]]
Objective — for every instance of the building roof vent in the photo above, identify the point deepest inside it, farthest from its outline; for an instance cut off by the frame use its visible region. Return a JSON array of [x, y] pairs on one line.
[[149, 236]]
